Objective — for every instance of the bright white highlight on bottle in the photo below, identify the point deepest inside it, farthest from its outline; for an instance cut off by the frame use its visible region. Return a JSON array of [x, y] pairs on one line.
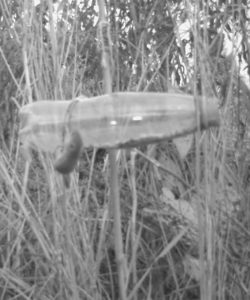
[[137, 118], [113, 122]]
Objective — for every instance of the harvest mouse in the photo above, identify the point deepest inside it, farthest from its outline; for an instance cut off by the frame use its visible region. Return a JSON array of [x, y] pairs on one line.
[[67, 160]]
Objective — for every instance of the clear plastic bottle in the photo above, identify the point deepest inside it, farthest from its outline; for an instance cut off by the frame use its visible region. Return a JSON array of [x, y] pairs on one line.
[[117, 120]]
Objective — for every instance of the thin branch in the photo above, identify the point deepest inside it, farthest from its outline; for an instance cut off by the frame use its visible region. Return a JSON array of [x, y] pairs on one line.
[[114, 188]]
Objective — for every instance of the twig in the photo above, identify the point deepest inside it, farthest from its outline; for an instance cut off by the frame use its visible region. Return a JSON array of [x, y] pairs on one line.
[[114, 189], [133, 221]]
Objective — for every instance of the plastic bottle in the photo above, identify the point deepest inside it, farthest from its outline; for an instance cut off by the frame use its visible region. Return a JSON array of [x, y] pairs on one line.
[[116, 120]]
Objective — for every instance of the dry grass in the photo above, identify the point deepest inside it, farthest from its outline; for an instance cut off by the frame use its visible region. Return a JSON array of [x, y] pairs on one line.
[[59, 244]]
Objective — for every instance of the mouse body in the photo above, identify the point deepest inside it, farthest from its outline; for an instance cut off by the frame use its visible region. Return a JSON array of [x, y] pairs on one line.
[[67, 160]]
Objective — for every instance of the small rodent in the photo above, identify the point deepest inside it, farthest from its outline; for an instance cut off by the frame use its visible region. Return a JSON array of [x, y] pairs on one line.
[[67, 160]]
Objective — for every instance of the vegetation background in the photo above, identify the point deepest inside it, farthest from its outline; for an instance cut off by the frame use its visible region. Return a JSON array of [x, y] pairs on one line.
[[185, 205]]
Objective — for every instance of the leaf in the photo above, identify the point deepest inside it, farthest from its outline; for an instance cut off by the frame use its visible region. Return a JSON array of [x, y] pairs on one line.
[[184, 144], [192, 267], [166, 192], [183, 208]]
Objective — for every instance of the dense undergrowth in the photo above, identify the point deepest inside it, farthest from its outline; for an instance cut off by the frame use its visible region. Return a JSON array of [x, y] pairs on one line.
[[185, 217]]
